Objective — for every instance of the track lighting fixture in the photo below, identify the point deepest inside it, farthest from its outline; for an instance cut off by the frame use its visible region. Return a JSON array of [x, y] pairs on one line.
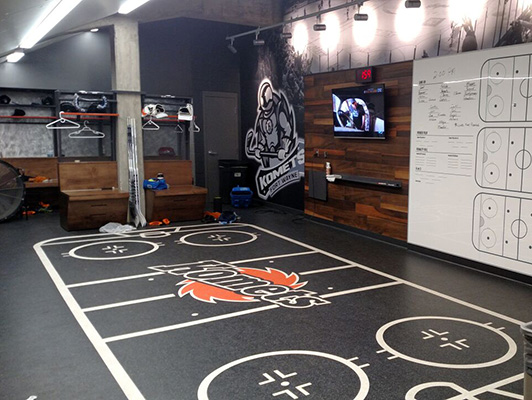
[[318, 26], [413, 3], [231, 47], [257, 41], [286, 35], [359, 16]]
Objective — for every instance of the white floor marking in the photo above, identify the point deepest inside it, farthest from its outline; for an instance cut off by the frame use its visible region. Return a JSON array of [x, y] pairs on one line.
[[304, 253], [133, 234], [331, 269], [122, 278], [114, 366], [107, 243], [411, 284], [506, 394], [128, 303], [119, 373], [236, 314], [361, 289], [187, 324], [252, 236], [512, 347], [364, 381], [488, 388]]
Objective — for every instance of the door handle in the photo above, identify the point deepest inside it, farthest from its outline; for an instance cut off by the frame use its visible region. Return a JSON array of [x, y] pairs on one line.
[[212, 153]]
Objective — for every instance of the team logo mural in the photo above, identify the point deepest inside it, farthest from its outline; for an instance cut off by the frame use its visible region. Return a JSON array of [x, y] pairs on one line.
[[273, 142], [213, 282]]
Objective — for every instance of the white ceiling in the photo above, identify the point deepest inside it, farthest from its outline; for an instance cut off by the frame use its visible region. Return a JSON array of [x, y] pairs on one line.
[[18, 16]]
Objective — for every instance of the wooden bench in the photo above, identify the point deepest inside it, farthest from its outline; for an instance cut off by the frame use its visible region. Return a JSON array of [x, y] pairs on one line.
[[182, 201], [89, 196], [46, 192]]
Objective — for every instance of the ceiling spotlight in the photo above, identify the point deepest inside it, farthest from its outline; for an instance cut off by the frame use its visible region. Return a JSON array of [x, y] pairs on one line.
[[360, 17], [257, 41], [286, 35], [318, 26], [94, 30], [413, 3], [231, 46]]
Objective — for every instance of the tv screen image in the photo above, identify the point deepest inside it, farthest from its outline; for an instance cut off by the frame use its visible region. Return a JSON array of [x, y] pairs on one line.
[[358, 112]]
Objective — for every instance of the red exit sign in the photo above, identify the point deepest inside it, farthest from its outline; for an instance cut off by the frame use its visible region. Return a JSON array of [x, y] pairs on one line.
[[364, 75]]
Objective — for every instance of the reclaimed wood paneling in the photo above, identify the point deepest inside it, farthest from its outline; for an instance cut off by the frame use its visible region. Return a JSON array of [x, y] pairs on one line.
[[376, 209]]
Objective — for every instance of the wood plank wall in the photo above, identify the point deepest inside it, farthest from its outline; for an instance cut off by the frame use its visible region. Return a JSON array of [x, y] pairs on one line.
[[379, 210]]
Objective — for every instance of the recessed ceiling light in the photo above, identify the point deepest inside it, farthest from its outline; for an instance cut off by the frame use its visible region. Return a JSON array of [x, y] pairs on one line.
[[95, 30]]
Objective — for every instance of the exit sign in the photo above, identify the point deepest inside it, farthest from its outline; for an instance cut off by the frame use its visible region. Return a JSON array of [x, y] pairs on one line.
[[364, 75]]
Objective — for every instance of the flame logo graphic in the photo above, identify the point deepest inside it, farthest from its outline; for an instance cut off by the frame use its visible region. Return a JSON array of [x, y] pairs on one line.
[[210, 293]]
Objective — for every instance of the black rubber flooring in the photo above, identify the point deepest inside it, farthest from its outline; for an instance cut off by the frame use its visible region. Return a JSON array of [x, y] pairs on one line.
[[275, 307]]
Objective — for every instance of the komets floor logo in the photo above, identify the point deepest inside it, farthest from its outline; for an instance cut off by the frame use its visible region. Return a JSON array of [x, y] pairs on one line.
[[215, 281]]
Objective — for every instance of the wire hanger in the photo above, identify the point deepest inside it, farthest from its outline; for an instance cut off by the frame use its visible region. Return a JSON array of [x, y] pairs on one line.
[[86, 133], [196, 128], [150, 125], [179, 128], [62, 123]]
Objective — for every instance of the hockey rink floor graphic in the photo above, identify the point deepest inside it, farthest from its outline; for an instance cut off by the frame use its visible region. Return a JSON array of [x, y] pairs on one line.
[[240, 312]]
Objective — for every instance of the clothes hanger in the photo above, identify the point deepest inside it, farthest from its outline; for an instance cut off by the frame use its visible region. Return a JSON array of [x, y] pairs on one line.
[[179, 128], [86, 133], [196, 128], [62, 123], [150, 125]]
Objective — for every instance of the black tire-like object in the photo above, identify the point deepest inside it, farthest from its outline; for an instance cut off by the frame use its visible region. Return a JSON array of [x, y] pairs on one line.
[[12, 191]]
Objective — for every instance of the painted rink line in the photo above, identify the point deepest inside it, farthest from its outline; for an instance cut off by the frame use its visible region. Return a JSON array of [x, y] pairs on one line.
[[295, 305]]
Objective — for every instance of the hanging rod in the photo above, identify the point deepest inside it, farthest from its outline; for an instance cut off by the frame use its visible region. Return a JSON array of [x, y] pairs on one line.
[[315, 14]]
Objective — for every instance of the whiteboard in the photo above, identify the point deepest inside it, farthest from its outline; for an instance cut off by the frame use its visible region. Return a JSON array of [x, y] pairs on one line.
[[470, 192]]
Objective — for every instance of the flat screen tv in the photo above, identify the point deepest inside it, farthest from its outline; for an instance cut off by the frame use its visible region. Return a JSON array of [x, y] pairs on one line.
[[358, 112]]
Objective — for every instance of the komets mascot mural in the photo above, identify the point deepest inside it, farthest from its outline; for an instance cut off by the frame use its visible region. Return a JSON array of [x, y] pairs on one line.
[[273, 142]]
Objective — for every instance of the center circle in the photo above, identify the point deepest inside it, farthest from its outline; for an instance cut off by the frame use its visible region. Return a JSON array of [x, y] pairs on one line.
[[519, 229], [523, 159]]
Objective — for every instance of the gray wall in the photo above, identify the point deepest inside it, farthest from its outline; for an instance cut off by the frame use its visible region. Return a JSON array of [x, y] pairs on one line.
[[81, 62], [186, 57]]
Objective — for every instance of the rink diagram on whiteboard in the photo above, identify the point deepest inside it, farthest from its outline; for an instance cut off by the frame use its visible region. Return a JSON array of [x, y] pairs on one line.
[[502, 226], [505, 89], [504, 160]]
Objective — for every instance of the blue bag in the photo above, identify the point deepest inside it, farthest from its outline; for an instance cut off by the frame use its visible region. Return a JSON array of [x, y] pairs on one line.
[[155, 184]]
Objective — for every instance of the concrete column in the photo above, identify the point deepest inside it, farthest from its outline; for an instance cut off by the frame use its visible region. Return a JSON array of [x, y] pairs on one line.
[[126, 82]]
